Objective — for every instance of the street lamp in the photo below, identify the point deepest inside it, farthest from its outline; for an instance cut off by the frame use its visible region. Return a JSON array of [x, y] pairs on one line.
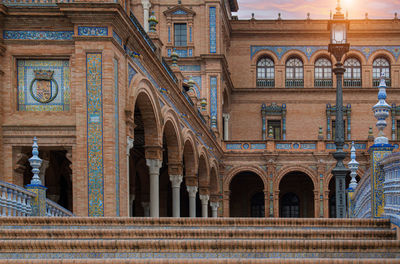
[[338, 47]]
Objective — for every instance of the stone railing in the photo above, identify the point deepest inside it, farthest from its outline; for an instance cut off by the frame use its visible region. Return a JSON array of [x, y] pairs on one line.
[[54, 209], [15, 200], [391, 187], [361, 204]]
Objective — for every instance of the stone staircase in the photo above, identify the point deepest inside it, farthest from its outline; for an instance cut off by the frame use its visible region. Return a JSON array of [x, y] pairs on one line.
[[196, 240]]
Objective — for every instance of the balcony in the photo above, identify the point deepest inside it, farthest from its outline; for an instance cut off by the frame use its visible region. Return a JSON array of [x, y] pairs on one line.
[[375, 82], [266, 83], [352, 83], [323, 83], [294, 83], [182, 52]]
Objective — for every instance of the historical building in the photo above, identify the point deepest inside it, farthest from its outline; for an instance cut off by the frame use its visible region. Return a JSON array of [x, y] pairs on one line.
[[177, 108]]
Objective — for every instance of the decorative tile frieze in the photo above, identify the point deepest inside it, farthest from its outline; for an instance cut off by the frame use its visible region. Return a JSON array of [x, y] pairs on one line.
[[43, 85], [213, 101], [95, 161], [37, 35], [131, 73], [213, 29], [93, 31], [116, 115], [117, 38]]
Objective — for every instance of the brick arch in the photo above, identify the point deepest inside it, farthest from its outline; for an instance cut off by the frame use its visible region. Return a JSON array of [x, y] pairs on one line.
[[328, 176], [145, 98], [322, 54], [264, 53], [381, 53], [235, 171], [285, 170], [294, 53], [214, 180], [356, 54], [189, 153], [173, 142], [204, 169]]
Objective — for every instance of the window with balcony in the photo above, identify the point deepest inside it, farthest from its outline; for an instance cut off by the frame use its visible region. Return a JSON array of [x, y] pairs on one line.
[[323, 73], [294, 73], [352, 75], [274, 126], [265, 72], [180, 34], [380, 65]]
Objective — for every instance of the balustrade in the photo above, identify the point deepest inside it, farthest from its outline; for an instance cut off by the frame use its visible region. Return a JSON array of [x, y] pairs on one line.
[[15, 200], [294, 83]]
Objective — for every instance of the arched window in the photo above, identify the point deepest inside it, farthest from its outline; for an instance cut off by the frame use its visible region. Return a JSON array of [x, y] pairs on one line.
[[265, 72], [323, 73], [290, 205], [257, 205], [352, 75], [294, 72], [380, 65]]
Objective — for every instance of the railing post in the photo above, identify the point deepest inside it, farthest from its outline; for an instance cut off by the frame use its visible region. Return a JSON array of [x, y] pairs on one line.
[[39, 202]]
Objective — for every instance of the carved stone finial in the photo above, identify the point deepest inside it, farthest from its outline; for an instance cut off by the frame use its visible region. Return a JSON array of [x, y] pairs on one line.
[[308, 16], [370, 134], [270, 132], [35, 163], [279, 16], [353, 166], [203, 104], [381, 111], [152, 22], [395, 16], [320, 133], [366, 16], [174, 58], [252, 16]]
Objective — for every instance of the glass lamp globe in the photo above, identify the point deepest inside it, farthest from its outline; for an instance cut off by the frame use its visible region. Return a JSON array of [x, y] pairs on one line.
[[338, 33]]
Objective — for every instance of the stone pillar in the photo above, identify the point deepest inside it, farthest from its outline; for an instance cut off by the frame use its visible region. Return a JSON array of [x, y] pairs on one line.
[[214, 209], [192, 190], [204, 205], [129, 146], [43, 168], [226, 126], [146, 10], [154, 170], [146, 208], [176, 181]]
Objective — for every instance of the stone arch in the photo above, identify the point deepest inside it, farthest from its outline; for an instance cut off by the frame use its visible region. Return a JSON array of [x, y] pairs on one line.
[[285, 170], [233, 172], [328, 176], [214, 180], [322, 54], [264, 53], [204, 170], [145, 98], [381, 53], [356, 54], [189, 153], [294, 53], [173, 137]]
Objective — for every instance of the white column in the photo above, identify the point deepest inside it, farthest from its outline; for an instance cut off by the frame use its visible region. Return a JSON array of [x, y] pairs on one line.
[[226, 126], [146, 10], [214, 209], [131, 201], [192, 200], [204, 205], [42, 173], [129, 146], [176, 181], [146, 207], [154, 170]]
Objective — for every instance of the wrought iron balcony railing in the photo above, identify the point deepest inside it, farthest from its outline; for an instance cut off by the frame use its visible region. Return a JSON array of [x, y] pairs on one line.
[[375, 82], [323, 83], [266, 83], [352, 83], [294, 83]]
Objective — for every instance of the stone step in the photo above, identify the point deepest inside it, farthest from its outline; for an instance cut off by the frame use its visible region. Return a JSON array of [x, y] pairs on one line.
[[205, 261], [147, 222], [204, 233]]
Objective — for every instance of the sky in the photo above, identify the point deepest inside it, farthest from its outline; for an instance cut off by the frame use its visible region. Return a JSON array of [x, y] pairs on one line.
[[318, 9]]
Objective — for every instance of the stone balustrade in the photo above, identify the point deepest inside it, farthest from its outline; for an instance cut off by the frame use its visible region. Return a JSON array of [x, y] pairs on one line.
[[15, 200], [54, 209]]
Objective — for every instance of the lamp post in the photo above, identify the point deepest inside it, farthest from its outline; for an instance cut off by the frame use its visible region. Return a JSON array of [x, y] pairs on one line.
[[338, 47]]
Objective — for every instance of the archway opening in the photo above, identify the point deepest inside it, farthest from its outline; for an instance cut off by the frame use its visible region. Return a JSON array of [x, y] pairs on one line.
[[332, 194], [296, 195], [246, 195]]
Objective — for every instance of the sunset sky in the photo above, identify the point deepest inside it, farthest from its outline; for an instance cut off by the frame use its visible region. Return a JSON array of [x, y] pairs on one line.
[[298, 9]]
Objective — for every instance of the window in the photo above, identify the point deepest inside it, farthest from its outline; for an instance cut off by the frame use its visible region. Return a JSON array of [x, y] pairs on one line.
[[380, 65], [180, 35], [323, 73], [334, 129], [257, 205], [398, 129], [274, 126], [294, 73], [265, 72], [290, 205], [352, 75]]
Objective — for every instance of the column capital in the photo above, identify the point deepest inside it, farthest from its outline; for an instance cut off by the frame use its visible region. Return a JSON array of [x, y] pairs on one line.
[[192, 190], [129, 144], [214, 205], [153, 152], [175, 168], [226, 116], [146, 4], [176, 180], [154, 165], [204, 198]]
